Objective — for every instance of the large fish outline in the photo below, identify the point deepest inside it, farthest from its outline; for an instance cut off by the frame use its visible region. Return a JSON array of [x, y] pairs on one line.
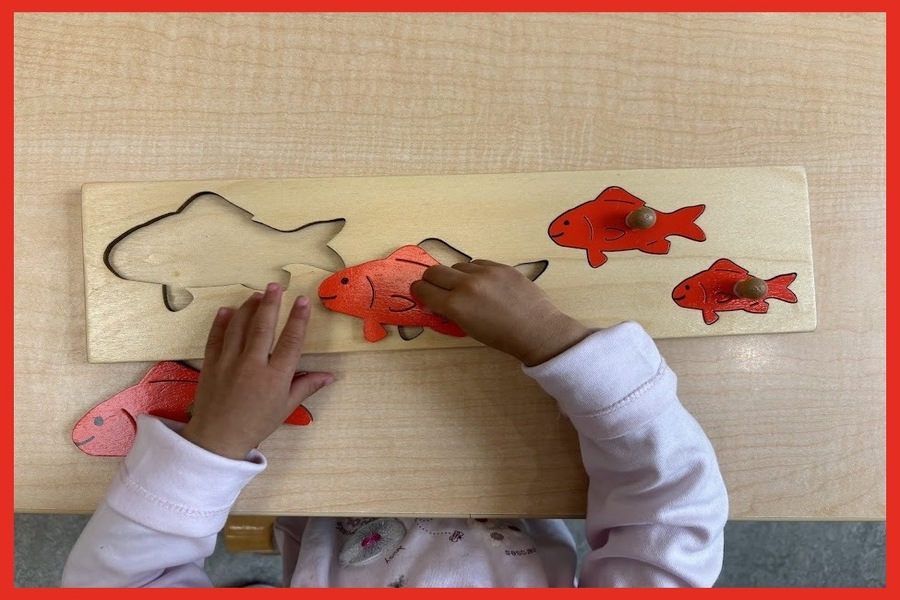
[[378, 291], [712, 291], [599, 226], [166, 391], [197, 258]]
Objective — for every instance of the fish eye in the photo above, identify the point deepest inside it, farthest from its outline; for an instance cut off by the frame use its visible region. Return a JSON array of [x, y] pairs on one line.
[[687, 287], [345, 281], [566, 222], [98, 421]]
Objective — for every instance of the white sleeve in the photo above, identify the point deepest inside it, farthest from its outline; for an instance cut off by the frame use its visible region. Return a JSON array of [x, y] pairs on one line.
[[657, 505], [160, 517]]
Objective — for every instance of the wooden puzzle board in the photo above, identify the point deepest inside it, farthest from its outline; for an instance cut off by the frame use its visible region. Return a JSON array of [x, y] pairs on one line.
[[756, 217]]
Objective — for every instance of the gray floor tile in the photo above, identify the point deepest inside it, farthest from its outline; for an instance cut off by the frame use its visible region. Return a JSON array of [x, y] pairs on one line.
[[804, 554]]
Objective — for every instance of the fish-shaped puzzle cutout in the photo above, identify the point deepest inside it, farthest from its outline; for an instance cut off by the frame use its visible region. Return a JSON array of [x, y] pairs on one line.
[[713, 291], [166, 391], [209, 242], [602, 225], [378, 292]]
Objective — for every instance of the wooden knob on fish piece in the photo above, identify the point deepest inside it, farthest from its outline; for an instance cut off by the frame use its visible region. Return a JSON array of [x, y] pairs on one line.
[[751, 289], [642, 218]]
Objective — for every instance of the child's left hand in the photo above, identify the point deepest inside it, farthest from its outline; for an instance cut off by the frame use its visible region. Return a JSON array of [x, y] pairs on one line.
[[245, 393]]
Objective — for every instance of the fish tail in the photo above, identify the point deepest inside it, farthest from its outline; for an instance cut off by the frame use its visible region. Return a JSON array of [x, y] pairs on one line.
[[683, 222], [778, 288], [300, 416], [309, 245]]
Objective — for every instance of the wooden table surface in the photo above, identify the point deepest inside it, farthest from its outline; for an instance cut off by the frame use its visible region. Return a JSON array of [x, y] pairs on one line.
[[797, 420]]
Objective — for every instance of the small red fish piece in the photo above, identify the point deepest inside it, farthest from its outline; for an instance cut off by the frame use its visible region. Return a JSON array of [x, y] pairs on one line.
[[712, 291], [166, 391], [598, 226], [378, 293]]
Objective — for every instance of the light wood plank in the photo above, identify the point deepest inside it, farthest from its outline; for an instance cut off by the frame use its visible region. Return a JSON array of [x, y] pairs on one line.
[[756, 217], [250, 533], [797, 420]]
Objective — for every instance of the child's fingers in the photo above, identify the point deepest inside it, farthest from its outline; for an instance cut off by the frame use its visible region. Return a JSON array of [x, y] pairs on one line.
[[443, 276], [234, 335], [467, 267], [431, 295], [217, 335], [289, 347], [486, 263], [261, 332], [306, 385]]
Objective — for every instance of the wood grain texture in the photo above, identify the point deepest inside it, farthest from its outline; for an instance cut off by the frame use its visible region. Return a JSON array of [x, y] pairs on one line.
[[756, 217], [797, 420]]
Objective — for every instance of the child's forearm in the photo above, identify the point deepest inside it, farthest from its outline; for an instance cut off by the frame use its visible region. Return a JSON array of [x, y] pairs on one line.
[[657, 504], [161, 515]]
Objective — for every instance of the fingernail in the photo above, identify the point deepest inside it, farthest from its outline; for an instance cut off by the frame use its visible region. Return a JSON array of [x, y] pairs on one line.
[[329, 381], [256, 296], [302, 301], [222, 312], [273, 287]]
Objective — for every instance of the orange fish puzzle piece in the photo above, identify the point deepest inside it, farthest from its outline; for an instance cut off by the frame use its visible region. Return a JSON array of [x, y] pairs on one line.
[[599, 226], [166, 391], [712, 291], [378, 293]]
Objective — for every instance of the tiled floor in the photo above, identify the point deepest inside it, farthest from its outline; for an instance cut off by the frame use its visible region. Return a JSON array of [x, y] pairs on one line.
[[757, 554]]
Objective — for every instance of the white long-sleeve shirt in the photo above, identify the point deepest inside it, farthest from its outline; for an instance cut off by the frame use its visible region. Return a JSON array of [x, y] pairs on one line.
[[657, 504]]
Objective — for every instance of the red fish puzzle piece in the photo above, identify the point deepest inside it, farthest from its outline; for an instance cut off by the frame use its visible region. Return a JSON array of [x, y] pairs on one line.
[[599, 226], [712, 291], [166, 391], [378, 293]]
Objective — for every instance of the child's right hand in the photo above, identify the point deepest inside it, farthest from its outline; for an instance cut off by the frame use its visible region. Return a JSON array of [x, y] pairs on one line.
[[500, 307]]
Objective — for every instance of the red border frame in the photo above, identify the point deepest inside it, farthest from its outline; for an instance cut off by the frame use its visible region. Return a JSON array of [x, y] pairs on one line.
[[360, 6]]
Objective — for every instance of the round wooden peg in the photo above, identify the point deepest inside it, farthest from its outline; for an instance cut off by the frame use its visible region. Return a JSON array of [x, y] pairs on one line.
[[753, 288], [642, 218]]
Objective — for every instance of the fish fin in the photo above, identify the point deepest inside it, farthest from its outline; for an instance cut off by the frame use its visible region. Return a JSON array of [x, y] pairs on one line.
[[412, 254], [778, 288], [611, 234], [300, 417], [723, 297], [448, 327], [170, 371], [176, 298], [710, 317], [620, 196], [410, 333], [596, 258], [208, 204], [682, 222], [443, 252], [374, 331], [723, 264], [532, 270], [314, 249], [660, 246], [400, 303], [760, 306]]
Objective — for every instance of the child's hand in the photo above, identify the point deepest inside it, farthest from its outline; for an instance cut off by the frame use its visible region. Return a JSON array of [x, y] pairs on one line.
[[245, 393], [500, 307]]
